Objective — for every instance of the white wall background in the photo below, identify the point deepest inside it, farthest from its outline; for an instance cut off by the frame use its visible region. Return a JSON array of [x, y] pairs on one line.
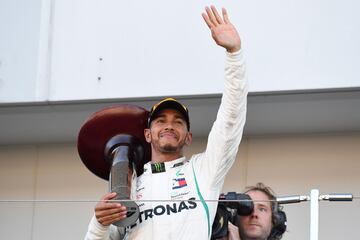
[[289, 164], [19, 48], [57, 50]]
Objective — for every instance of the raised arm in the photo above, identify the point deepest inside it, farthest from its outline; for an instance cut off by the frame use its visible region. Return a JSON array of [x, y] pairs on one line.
[[226, 132]]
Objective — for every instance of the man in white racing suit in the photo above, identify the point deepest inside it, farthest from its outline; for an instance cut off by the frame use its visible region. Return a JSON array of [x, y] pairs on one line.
[[172, 192]]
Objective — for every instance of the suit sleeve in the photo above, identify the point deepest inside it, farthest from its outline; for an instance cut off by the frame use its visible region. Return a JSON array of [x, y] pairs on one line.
[[96, 231], [227, 130]]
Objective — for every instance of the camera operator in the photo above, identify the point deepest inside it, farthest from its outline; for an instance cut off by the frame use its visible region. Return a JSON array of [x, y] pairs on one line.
[[266, 222]]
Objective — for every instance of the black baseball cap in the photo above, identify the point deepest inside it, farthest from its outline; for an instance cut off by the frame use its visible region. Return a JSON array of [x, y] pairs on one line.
[[169, 103]]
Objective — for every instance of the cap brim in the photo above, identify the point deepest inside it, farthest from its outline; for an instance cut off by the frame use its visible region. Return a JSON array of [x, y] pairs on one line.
[[171, 104]]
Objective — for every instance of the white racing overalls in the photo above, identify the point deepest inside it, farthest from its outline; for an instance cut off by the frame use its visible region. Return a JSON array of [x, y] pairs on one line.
[[189, 182]]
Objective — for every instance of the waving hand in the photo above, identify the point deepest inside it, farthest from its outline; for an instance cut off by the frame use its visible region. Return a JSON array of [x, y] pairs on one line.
[[222, 31]]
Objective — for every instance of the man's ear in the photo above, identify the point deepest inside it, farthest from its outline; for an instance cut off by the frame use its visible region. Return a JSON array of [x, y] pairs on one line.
[[188, 139], [147, 135]]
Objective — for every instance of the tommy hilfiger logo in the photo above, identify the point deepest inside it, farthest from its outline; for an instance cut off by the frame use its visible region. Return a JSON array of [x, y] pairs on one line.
[[179, 183]]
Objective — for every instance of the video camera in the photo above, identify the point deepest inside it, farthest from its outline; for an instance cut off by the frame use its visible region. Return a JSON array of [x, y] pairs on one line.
[[227, 211], [233, 204]]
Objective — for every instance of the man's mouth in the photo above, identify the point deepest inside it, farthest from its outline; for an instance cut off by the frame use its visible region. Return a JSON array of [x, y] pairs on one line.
[[254, 224], [168, 134]]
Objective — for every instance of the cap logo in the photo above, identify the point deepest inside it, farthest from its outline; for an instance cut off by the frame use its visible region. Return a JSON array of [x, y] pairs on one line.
[[165, 100]]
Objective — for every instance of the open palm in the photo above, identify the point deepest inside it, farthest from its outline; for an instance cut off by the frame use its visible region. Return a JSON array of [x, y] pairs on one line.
[[222, 31]]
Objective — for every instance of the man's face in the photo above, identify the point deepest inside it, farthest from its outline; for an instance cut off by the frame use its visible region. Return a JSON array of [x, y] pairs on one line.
[[257, 226], [168, 132]]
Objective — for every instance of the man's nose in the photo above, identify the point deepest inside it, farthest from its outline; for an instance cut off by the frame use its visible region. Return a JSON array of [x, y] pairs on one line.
[[255, 213], [169, 126]]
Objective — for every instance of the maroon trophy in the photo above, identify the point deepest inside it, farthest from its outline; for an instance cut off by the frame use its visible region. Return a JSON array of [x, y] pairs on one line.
[[112, 145]]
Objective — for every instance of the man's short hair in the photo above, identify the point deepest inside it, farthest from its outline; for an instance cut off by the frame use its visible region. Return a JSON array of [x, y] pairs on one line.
[[276, 218]]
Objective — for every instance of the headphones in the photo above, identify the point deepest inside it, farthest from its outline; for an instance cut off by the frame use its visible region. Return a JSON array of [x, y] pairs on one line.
[[279, 222]]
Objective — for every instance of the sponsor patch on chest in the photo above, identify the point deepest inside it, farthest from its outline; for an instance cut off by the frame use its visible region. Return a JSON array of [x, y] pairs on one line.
[[178, 183], [179, 186]]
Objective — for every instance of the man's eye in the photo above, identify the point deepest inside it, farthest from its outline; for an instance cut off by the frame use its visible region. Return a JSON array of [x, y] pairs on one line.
[[160, 120], [263, 209]]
